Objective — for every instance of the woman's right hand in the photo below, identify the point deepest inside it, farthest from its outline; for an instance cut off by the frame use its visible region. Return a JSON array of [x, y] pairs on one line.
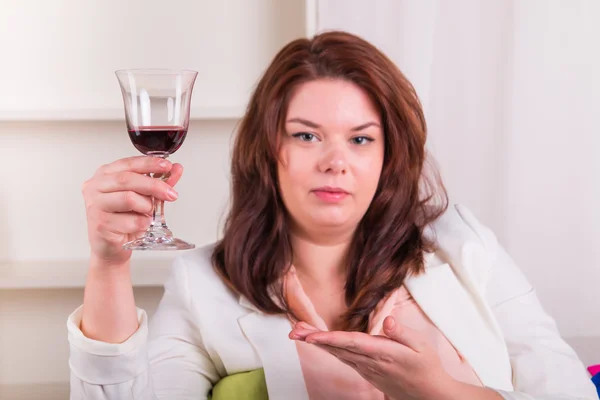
[[119, 206]]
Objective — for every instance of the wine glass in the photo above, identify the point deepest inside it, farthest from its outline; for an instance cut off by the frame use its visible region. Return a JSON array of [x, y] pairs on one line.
[[157, 111]]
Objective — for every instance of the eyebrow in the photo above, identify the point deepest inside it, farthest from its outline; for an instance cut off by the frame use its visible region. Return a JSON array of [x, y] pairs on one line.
[[313, 125]]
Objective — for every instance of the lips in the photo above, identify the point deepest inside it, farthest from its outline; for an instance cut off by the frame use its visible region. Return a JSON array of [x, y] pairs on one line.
[[330, 194], [330, 189]]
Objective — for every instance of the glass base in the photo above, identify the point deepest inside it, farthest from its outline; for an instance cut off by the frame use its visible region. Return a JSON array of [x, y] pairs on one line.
[[158, 239]]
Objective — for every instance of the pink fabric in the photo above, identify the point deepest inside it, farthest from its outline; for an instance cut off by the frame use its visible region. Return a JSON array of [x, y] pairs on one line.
[[328, 378], [594, 369]]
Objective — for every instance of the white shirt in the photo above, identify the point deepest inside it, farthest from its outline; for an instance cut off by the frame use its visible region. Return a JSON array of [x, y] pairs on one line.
[[202, 331]]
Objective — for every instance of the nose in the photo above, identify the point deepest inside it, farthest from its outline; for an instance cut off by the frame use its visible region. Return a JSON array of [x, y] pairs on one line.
[[334, 161]]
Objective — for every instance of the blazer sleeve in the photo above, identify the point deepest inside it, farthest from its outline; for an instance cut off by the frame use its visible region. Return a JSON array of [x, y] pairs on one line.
[[166, 361], [544, 366]]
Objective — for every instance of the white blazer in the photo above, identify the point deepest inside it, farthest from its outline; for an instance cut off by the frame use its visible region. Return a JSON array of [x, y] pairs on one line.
[[202, 331]]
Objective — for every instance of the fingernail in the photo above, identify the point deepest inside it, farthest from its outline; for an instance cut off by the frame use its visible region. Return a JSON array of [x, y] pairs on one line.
[[172, 194], [390, 324], [164, 164]]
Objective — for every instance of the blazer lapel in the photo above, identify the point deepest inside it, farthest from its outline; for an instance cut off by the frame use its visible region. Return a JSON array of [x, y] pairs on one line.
[[459, 316], [269, 336]]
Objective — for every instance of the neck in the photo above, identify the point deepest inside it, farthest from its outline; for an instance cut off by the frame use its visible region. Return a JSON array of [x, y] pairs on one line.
[[321, 261]]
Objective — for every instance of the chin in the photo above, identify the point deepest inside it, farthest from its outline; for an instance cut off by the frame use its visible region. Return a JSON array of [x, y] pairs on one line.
[[332, 221]]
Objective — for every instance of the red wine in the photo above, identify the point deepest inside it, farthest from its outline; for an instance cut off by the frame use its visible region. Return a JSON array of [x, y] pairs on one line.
[[157, 139]]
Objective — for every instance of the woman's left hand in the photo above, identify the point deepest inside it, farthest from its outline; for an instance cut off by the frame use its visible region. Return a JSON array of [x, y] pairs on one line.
[[400, 364]]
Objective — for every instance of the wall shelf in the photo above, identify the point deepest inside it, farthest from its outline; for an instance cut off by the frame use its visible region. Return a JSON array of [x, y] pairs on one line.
[[111, 114], [70, 274]]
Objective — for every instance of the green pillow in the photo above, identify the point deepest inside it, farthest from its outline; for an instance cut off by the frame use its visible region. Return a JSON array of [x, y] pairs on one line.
[[249, 385]]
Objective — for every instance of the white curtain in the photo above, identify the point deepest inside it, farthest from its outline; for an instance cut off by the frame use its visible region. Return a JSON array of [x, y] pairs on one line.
[[511, 92]]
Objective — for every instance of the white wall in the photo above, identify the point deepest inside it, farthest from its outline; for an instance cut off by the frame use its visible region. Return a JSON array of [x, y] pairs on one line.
[[58, 56], [552, 158]]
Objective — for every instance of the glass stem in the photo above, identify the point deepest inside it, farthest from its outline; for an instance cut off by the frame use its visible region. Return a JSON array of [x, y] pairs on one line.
[[158, 206], [158, 214]]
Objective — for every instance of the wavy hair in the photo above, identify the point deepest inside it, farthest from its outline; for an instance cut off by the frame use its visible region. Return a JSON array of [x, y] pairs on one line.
[[255, 251]]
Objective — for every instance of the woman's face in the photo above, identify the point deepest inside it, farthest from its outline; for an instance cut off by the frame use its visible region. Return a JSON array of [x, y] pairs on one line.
[[331, 155]]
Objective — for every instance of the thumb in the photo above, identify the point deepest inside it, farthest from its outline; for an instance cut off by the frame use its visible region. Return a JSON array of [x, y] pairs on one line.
[[403, 334]]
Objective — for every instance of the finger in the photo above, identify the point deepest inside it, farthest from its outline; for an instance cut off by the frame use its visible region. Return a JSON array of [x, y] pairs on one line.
[[132, 181], [403, 334], [356, 342], [305, 327], [124, 202], [123, 223], [139, 164], [176, 172], [301, 330]]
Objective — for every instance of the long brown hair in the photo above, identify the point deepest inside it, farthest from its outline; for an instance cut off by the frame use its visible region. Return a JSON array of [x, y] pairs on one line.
[[388, 244]]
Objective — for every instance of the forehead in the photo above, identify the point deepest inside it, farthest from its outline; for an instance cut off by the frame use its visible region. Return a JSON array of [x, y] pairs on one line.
[[331, 102]]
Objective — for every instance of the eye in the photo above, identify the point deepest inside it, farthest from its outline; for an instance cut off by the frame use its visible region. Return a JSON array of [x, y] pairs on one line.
[[362, 140], [305, 136]]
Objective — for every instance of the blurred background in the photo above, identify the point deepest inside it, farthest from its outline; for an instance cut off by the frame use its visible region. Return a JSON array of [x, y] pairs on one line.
[[511, 93]]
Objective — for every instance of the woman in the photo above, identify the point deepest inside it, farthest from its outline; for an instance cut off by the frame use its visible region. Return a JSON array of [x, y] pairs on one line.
[[342, 272]]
